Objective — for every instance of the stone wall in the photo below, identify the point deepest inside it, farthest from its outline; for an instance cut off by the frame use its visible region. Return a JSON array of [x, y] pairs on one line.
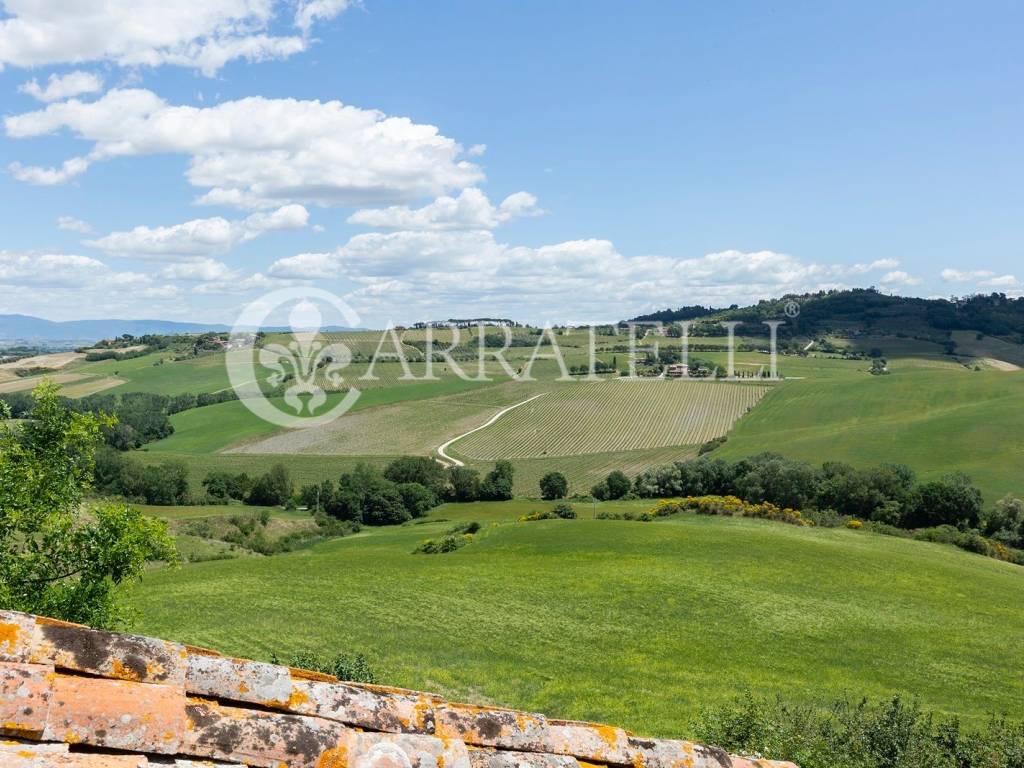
[[74, 696]]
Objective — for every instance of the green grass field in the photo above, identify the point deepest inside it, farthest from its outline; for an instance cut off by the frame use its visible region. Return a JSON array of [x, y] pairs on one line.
[[935, 421], [563, 616], [217, 427]]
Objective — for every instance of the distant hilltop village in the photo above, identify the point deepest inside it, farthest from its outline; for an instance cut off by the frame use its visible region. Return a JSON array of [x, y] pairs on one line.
[[470, 322]]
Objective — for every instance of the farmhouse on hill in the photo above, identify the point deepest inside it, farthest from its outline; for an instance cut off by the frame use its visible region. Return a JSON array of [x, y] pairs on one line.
[[677, 370]]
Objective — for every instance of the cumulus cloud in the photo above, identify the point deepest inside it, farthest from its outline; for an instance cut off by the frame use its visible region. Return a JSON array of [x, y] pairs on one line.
[[1002, 281], [962, 276], [71, 224], [60, 87], [877, 264], [47, 267], [257, 152], [470, 210], [201, 269], [201, 34], [899, 277], [430, 272], [198, 237]]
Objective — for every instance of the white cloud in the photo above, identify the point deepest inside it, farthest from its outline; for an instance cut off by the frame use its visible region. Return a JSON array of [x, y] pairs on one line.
[[60, 87], [1002, 281], [198, 237], [878, 264], [257, 152], [314, 10], [961, 276], [476, 150], [204, 270], [899, 277], [427, 273], [202, 34], [47, 267], [470, 210], [71, 224], [49, 176]]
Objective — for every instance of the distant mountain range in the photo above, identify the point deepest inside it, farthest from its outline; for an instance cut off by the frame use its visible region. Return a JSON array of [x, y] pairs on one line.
[[36, 330]]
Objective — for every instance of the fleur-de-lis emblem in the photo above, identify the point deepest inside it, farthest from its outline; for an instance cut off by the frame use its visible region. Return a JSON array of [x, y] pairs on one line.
[[305, 361]]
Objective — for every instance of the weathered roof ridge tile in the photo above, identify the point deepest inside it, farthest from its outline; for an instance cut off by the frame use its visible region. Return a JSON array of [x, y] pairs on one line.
[[86, 698]]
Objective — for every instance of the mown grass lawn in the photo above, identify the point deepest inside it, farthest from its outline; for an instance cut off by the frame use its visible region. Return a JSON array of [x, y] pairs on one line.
[[636, 623]]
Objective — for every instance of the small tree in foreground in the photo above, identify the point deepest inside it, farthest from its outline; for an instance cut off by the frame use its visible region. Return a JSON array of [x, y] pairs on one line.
[[59, 556], [554, 486]]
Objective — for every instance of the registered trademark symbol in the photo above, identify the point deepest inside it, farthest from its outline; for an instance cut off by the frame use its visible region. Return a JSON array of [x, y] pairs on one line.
[[792, 309]]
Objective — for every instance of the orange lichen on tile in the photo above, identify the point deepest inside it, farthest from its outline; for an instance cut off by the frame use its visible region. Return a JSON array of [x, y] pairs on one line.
[[599, 743], [263, 739], [116, 714], [375, 709], [16, 636], [75, 696], [24, 699]]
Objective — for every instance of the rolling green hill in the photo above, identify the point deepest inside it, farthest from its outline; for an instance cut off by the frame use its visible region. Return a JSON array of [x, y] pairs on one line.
[[563, 616], [935, 421]]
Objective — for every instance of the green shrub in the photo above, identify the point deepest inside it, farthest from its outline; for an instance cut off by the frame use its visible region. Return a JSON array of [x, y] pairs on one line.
[[564, 511], [441, 546], [352, 667], [891, 733]]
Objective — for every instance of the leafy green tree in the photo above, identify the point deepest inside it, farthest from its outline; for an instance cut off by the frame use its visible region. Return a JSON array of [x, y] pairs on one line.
[[554, 486], [416, 499], [58, 555], [382, 505], [417, 469], [770, 477], [497, 485], [618, 484], [1006, 522], [274, 488], [465, 484], [366, 496], [315, 497], [951, 500]]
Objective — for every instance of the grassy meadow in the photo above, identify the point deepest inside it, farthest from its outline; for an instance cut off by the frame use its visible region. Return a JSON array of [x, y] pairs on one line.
[[563, 616], [935, 421]]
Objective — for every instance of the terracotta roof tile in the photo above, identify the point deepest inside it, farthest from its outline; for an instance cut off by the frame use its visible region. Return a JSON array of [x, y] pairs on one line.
[[84, 698], [116, 714], [267, 739], [25, 692]]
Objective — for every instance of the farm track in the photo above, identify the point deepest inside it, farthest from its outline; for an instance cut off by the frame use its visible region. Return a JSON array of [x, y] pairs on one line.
[[600, 418], [449, 461]]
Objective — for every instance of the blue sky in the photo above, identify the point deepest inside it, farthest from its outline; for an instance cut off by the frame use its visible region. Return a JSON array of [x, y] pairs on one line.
[[655, 153]]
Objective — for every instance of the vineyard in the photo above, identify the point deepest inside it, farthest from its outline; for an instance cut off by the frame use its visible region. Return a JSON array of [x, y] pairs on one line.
[[416, 427], [613, 415]]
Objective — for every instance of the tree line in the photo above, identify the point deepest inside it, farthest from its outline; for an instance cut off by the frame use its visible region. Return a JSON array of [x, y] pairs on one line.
[[886, 494]]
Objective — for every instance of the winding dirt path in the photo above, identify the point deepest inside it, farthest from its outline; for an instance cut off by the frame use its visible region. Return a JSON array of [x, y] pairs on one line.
[[450, 461]]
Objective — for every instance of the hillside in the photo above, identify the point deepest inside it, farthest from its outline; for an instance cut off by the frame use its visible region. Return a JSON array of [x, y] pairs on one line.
[[934, 420], [681, 613], [866, 310]]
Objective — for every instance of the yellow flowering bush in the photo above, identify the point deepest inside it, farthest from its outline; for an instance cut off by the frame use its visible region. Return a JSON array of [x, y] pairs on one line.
[[730, 506]]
